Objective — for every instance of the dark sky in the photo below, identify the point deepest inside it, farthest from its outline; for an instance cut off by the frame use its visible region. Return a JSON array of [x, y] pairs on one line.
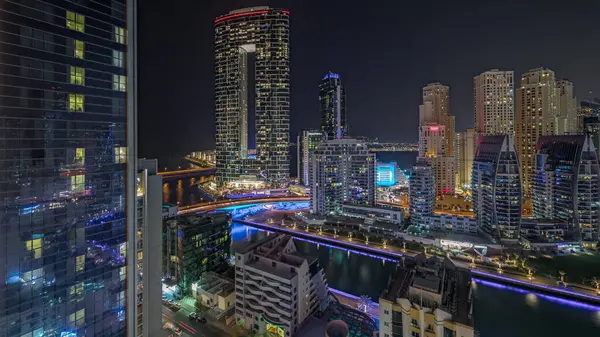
[[385, 52]]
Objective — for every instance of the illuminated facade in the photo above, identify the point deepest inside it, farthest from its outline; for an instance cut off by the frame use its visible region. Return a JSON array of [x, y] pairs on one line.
[[276, 288], [536, 113], [67, 140], [342, 172], [567, 120], [427, 297], [421, 192], [566, 184], [332, 100], [307, 142], [195, 244], [494, 103], [496, 188], [252, 68], [386, 174], [436, 136], [466, 154]]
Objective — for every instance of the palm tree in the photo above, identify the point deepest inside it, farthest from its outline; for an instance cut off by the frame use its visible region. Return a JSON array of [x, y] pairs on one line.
[[365, 303]]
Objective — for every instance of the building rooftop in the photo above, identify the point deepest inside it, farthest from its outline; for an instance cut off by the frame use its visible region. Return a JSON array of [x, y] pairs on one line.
[[215, 284], [433, 283]]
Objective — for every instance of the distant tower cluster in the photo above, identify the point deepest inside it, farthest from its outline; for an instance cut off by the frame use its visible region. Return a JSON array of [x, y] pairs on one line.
[[332, 102], [252, 68], [436, 136]]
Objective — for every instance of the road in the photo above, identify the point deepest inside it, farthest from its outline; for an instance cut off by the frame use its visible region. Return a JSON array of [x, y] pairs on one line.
[[189, 328]]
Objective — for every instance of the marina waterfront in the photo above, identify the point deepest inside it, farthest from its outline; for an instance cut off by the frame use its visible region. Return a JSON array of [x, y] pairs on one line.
[[500, 310]]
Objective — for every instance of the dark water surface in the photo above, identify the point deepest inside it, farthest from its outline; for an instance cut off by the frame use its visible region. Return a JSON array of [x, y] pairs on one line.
[[500, 311]]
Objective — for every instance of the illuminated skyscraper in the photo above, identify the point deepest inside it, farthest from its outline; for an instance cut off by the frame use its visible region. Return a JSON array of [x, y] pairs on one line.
[[494, 103], [252, 68], [307, 142], [436, 136], [332, 99], [67, 168], [342, 172], [421, 192], [537, 109], [496, 186], [566, 184]]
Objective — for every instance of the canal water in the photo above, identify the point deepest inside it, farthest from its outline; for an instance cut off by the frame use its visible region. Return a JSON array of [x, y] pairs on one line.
[[500, 311]]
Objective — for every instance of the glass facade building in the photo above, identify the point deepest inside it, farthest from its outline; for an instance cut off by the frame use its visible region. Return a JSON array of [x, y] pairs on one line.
[[565, 184], [496, 186], [252, 67], [421, 192], [307, 142], [342, 172], [64, 175], [332, 100]]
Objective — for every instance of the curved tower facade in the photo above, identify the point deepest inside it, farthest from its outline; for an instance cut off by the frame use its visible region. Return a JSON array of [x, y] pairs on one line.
[[252, 72], [496, 184], [565, 184], [332, 101]]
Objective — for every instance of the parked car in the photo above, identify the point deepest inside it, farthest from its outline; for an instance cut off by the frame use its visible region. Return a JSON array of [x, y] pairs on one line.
[[193, 316]]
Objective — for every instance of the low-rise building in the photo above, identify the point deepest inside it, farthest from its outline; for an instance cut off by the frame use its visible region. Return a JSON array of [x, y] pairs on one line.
[[277, 288], [370, 214], [214, 291], [451, 222], [545, 231], [195, 244], [427, 297]]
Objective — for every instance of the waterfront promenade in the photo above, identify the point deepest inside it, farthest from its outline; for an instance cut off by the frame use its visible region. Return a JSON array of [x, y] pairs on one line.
[[480, 270]]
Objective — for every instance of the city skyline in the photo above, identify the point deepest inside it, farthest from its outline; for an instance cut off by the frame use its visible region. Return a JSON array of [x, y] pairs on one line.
[[373, 87]]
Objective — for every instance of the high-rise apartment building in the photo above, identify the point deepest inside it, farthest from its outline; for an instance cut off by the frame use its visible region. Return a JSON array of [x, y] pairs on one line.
[[427, 297], [494, 103], [421, 192], [567, 121], [538, 101], [252, 68], [591, 127], [436, 136], [332, 101], [67, 168], [496, 186], [276, 288], [466, 154], [439, 96], [566, 184], [342, 172], [306, 143]]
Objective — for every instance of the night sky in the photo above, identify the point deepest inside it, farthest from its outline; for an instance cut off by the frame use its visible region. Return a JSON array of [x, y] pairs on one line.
[[385, 52]]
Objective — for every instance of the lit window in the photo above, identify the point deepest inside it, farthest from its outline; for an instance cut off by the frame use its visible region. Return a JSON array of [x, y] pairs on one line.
[[118, 58], [77, 76], [76, 290], [78, 183], [75, 21], [78, 48], [35, 246], [120, 154], [75, 102], [123, 273], [77, 319], [119, 82], [120, 35], [80, 155], [80, 263]]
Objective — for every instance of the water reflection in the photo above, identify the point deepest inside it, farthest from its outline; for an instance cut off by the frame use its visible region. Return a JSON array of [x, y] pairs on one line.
[[532, 300], [181, 192]]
